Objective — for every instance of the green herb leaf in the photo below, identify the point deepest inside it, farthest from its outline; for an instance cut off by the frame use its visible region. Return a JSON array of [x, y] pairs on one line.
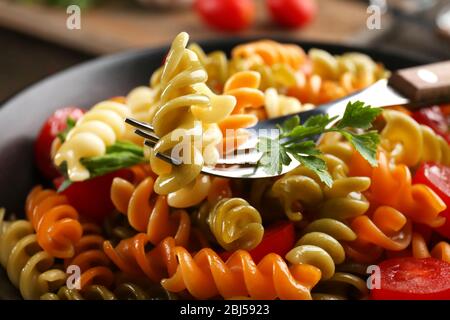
[[366, 144], [320, 121], [357, 115], [70, 125], [122, 154], [317, 165], [289, 124], [274, 155], [305, 148], [297, 140]]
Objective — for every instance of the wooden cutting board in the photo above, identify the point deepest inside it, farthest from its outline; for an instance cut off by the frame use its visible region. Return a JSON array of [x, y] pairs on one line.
[[112, 27]]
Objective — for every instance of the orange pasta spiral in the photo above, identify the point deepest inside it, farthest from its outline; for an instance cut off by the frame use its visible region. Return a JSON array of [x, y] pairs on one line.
[[90, 258], [55, 221], [386, 228], [130, 256], [420, 249], [149, 212], [206, 275], [393, 187], [244, 87], [313, 89], [270, 52]]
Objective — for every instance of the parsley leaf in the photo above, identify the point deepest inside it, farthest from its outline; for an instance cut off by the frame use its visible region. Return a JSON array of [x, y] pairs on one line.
[[316, 165], [289, 124], [274, 155], [357, 115], [298, 140], [365, 144]]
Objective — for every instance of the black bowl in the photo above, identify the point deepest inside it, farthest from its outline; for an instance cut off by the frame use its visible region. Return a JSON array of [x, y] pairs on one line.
[[22, 117]]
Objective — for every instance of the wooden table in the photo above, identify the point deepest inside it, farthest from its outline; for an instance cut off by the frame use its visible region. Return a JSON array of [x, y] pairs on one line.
[[113, 28]]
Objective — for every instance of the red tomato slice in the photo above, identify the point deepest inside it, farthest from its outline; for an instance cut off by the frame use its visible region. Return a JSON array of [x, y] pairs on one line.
[[227, 15], [279, 239], [413, 279], [435, 119], [91, 198], [292, 13], [437, 177], [56, 123]]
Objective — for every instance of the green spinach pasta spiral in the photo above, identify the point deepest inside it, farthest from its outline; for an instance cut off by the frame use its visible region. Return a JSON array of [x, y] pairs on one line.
[[301, 188], [320, 247], [123, 291], [32, 270], [341, 286], [235, 224]]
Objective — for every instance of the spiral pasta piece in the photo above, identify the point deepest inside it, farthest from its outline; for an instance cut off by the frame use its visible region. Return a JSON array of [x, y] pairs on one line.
[[29, 268], [420, 249], [235, 224], [130, 257], [341, 286], [89, 257], [244, 87], [277, 105], [303, 188], [270, 52], [205, 275], [215, 64], [393, 187], [334, 77], [55, 221], [386, 228], [320, 247], [99, 128], [149, 212], [191, 195], [123, 291], [359, 66], [410, 143], [187, 108]]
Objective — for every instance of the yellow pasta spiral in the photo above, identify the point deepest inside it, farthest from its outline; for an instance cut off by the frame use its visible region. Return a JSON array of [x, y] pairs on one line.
[[30, 269], [277, 105], [410, 143], [187, 110], [99, 128]]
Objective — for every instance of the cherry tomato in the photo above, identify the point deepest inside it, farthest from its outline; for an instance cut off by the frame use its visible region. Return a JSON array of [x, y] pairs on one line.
[[56, 123], [437, 177], [227, 15], [413, 279], [279, 239], [91, 198], [292, 13], [435, 119]]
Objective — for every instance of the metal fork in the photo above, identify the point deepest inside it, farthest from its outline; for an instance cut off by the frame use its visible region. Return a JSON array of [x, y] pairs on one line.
[[413, 87]]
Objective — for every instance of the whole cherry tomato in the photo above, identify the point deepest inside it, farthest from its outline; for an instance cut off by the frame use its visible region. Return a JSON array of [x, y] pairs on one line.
[[54, 125], [292, 13], [226, 15]]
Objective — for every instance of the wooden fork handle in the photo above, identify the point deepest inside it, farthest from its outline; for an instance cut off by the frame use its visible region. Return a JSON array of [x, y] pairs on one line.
[[429, 83]]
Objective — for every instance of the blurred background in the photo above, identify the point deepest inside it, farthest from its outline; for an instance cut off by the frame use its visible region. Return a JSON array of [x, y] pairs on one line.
[[36, 42]]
